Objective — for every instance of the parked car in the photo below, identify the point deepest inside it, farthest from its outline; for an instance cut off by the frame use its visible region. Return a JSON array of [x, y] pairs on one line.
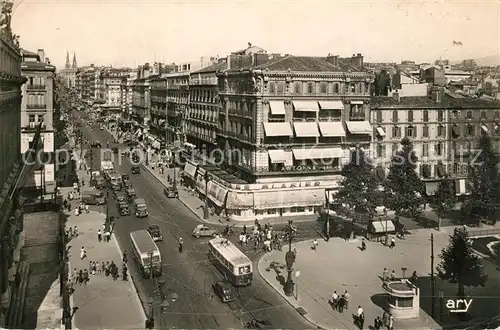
[[95, 144], [204, 231], [154, 231], [125, 178], [136, 169], [123, 208], [171, 192], [131, 194], [224, 291]]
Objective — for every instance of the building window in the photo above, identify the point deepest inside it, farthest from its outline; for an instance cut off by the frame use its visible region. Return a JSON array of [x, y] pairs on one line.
[[470, 130], [440, 131], [272, 87], [439, 149], [455, 114], [425, 131], [380, 150], [426, 115], [323, 88], [496, 114], [379, 116], [395, 116], [440, 115], [411, 131], [469, 114], [336, 88], [357, 112], [297, 88], [483, 114], [395, 148], [31, 119], [410, 116], [310, 88], [425, 149], [396, 132], [281, 88]]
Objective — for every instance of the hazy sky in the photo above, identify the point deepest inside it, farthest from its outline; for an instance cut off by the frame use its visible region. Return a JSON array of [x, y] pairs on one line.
[[133, 32]]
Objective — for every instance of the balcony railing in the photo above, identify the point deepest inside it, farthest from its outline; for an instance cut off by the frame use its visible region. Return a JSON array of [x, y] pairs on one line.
[[36, 106], [204, 81], [36, 87], [32, 127]]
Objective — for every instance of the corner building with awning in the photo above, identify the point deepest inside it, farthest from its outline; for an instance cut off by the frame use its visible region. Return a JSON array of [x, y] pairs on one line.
[[286, 126]]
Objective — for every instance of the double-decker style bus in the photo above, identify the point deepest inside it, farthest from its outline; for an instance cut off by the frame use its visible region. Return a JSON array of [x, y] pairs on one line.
[[232, 263], [145, 253], [115, 180]]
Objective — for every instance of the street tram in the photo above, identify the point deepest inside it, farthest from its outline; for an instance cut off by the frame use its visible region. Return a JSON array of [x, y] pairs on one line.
[[145, 253], [234, 265]]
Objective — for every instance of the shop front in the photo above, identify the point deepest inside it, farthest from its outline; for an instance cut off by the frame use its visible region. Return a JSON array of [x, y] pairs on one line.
[[216, 193], [239, 205], [189, 173]]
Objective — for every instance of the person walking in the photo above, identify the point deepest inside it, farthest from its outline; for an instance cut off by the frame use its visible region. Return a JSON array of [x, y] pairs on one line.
[[347, 298], [99, 235], [83, 253]]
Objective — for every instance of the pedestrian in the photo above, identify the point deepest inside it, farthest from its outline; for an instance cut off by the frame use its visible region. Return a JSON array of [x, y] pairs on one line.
[[75, 275], [360, 315], [86, 208], [107, 235], [91, 263], [124, 258], [75, 231], [99, 235], [77, 211], [393, 276], [385, 275], [86, 278], [80, 277], [99, 267], [83, 253], [335, 299], [393, 243], [377, 323], [384, 319], [363, 245], [315, 244], [346, 297], [390, 325], [94, 268]]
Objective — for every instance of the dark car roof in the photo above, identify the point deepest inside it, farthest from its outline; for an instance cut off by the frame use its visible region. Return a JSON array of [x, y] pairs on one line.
[[153, 227], [224, 285]]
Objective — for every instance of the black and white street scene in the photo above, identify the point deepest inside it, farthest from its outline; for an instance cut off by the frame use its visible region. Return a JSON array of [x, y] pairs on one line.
[[249, 165]]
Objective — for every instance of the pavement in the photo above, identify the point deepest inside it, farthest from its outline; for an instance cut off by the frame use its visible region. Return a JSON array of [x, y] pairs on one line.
[[103, 303], [190, 275]]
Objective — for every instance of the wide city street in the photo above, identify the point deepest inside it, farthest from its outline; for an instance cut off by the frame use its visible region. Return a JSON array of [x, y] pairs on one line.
[[189, 275]]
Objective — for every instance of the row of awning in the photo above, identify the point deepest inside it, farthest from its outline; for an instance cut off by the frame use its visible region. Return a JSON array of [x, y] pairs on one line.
[[278, 107], [282, 157], [314, 129]]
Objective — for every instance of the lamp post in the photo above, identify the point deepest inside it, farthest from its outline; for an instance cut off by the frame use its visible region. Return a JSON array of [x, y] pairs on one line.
[[290, 260], [205, 208]]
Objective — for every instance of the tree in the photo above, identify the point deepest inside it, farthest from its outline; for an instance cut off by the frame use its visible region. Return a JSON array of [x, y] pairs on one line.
[[358, 187], [444, 198], [403, 187], [459, 264], [484, 199]]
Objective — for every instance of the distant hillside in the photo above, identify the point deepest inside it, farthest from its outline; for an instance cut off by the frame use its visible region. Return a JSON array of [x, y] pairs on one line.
[[488, 60]]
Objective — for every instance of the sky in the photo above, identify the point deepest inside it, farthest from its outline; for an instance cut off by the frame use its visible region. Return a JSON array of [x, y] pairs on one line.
[[129, 33]]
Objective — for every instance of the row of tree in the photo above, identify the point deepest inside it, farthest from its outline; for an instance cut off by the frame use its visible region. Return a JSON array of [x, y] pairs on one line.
[[403, 191]]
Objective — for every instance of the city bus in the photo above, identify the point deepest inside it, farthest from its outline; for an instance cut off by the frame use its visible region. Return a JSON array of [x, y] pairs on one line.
[[115, 180], [234, 265], [145, 253]]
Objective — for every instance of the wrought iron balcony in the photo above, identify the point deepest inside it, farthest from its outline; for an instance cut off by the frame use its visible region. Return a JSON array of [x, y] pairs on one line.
[[36, 87], [36, 106]]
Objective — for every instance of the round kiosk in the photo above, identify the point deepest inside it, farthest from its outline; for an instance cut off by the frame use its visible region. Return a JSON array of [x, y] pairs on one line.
[[403, 299]]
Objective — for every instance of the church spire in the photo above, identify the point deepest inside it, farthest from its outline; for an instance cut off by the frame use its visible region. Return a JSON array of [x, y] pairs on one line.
[[74, 66], [67, 61]]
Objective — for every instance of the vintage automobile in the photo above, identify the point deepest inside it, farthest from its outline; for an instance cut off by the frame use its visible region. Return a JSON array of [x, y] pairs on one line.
[[123, 208], [154, 231], [171, 192], [204, 231], [121, 197], [224, 291]]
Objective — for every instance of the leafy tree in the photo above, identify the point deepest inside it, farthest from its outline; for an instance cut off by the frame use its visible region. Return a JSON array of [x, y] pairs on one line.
[[403, 187], [459, 264], [444, 198], [484, 199], [359, 186]]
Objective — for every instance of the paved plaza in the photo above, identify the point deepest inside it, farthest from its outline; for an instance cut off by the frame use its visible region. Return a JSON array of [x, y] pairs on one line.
[[339, 265]]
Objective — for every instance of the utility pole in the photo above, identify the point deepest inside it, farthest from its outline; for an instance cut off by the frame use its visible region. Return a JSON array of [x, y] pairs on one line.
[[327, 234], [433, 287], [205, 208], [150, 323], [91, 160]]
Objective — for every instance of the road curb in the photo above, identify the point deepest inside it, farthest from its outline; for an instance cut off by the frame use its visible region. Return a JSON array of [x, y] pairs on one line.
[[306, 316]]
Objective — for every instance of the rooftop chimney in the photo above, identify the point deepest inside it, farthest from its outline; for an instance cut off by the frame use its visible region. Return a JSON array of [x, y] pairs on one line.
[[436, 94], [41, 54], [396, 97], [249, 44], [47, 60], [333, 59]]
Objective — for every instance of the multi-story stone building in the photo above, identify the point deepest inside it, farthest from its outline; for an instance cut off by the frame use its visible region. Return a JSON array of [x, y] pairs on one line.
[[37, 107], [203, 116], [70, 71], [85, 83], [11, 165], [158, 107], [286, 126], [128, 94], [111, 83], [177, 88], [141, 94], [443, 127]]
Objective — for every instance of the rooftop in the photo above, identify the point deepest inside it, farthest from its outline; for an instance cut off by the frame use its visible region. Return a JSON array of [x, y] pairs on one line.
[[447, 101], [298, 64], [212, 68], [37, 66]]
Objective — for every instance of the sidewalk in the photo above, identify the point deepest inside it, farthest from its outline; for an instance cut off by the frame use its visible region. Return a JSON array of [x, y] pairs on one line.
[[103, 303], [339, 265]]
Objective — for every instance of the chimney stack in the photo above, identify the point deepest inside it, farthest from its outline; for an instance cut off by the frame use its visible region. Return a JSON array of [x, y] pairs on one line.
[[396, 97], [333, 59], [41, 54]]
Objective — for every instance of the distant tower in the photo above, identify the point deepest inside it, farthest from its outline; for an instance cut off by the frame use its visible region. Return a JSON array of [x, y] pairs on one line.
[[74, 66], [67, 66]]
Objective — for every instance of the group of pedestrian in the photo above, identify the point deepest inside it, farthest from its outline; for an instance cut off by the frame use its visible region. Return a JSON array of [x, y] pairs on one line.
[[72, 232], [386, 321], [262, 237], [81, 208], [104, 234], [83, 276], [340, 302]]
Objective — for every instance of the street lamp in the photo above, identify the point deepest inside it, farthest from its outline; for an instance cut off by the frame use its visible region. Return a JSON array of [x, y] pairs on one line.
[[290, 260]]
